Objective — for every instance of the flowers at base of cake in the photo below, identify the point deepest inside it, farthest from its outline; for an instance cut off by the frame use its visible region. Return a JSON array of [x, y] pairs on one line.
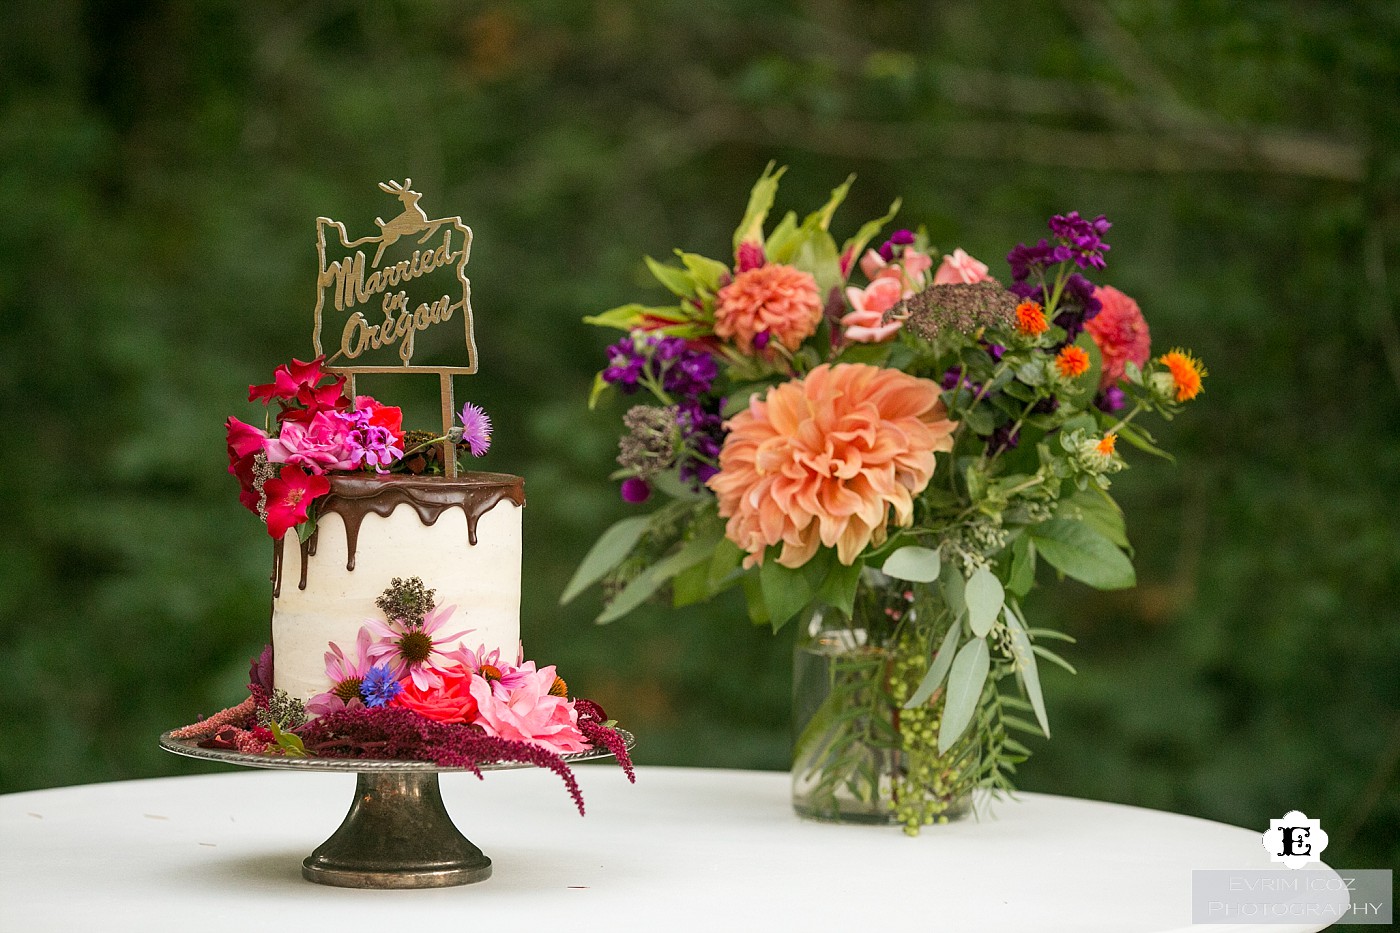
[[281, 469], [396, 694]]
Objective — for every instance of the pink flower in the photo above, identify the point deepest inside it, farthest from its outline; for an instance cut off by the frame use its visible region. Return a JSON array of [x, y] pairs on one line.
[[865, 324], [1121, 333], [960, 268], [529, 713], [289, 496], [244, 443], [288, 380], [412, 650], [907, 268], [388, 417], [771, 302], [831, 459], [502, 676], [319, 445], [346, 675], [448, 700]]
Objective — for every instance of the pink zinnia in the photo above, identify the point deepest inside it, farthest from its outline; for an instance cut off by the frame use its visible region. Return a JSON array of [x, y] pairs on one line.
[[414, 651], [772, 302], [1121, 333], [529, 713], [825, 460]]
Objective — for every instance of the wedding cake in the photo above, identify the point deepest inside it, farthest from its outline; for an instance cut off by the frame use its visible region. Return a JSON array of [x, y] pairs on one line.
[[460, 535]]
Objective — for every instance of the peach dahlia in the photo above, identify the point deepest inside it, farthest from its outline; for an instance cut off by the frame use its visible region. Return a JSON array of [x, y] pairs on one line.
[[829, 460]]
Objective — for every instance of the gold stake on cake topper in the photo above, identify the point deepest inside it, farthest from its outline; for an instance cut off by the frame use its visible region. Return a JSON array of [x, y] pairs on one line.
[[416, 282]]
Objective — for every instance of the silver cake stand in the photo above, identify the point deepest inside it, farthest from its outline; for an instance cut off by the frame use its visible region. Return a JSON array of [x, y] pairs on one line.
[[397, 834]]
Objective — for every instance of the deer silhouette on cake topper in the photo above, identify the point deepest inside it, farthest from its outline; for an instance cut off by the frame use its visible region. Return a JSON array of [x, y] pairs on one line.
[[411, 221]]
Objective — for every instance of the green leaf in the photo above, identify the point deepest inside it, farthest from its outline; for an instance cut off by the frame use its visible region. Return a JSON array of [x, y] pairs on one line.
[[1023, 653], [706, 272], [289, 742], [965, 681], [306, 529], [919, 564], [1098, 510], [838, 587], [866, 233], [600, 386], [691, 585], [652, 578], [954, 584], [678, 281], [1022, 576], [822, 216], [627, 317], [942, 660], [723, 563], [1053, 658], [1142, 441], [1078, 551], [783, 242], [785, 591], [607, 552], [753, 598], [984, 596], [760, 201]]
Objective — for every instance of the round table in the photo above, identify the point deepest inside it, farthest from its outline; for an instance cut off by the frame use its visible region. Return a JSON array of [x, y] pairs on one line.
[[683, 849]]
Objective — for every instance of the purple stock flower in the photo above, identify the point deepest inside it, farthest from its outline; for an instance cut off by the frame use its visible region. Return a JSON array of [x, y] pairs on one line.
[[1077, 305], [635, 490], [1003, 438], [702, 436], [1111, 399], [476, 429], [1024, 259], [656, 359], [953, 378], [625, 365], [1084, 237]]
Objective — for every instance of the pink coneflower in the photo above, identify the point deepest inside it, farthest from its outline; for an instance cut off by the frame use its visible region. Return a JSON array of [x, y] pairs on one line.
[[476, 429], [412, 650], [346, 674], [488, 664]]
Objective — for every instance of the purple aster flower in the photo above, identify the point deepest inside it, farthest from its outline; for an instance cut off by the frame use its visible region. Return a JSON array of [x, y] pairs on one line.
[[635, 490], [476, 429], [379, 686]]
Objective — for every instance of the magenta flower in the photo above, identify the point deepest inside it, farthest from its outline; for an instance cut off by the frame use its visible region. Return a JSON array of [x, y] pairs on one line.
[[488, 665], [414, 651], [476, 429], [346, 674]]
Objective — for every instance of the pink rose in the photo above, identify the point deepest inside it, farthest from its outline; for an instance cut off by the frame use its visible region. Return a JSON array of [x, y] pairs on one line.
[[529, 713], [960, 268], [318, 445], [908, 268], [865, 323], [450, 700]]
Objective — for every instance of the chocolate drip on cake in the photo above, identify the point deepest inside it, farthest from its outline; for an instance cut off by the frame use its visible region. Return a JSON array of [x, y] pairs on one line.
[[354, 497]]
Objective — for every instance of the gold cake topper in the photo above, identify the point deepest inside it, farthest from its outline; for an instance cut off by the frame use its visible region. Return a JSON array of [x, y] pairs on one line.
[[369, 315], [377, 309]]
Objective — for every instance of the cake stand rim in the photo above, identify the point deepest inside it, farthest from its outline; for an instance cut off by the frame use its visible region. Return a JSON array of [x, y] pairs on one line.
[[190, 749]]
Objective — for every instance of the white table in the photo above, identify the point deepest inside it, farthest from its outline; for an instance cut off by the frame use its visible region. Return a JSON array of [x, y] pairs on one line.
[[684, 849]]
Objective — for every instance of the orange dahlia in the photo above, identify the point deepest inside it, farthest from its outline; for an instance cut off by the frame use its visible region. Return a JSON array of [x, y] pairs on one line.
[[778, 301], [1187, 373], [823, 460]]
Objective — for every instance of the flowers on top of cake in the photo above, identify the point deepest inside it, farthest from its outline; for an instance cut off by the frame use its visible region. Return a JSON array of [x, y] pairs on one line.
[[319, 429], [397, 693]]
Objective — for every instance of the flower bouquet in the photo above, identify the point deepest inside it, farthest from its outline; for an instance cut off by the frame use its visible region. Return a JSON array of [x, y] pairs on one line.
[[887, 444]]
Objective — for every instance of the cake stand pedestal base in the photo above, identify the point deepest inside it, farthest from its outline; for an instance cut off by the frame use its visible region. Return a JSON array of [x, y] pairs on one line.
[[397, 834]]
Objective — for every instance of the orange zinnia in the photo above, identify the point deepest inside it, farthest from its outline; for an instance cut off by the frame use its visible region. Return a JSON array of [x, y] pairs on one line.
[[1072, 362], [1030, 319], [823, 460], [1187, 373]]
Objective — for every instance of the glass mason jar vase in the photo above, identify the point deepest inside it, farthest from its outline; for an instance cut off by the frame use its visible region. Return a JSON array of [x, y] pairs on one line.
[[859, 756]]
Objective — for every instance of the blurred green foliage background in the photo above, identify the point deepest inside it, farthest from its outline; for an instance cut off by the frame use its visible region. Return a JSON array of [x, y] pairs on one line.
[[162, 165]]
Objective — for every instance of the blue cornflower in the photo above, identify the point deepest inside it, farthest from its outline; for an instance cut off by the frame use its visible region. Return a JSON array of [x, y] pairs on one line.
[[379, 686]]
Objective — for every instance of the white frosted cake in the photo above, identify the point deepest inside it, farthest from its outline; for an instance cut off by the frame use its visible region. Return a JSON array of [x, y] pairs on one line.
[[461, 535]]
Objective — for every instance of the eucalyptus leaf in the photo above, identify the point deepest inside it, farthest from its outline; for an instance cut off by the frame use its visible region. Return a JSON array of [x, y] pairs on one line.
[[654, 577], [942, 660], [1078, 551], [607, 552], [965, 681], [1022, 576], [1024, 655], [919, 564], [984, 596], [954, 584]]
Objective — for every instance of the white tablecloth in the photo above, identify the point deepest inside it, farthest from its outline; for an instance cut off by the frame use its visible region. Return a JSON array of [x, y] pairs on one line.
[[684, 849]]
